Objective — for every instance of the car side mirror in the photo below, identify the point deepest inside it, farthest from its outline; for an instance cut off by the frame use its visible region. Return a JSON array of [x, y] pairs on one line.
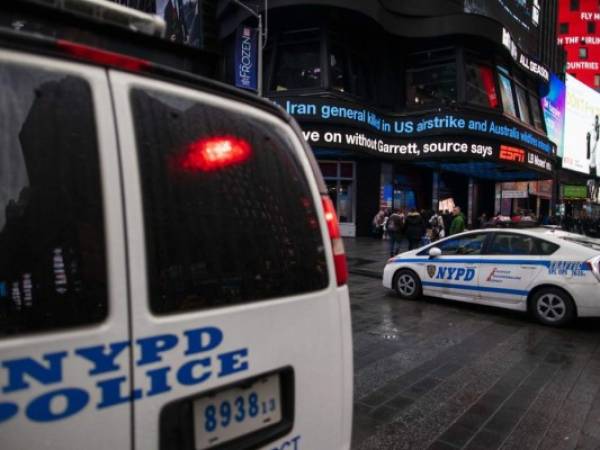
[[434, 252]]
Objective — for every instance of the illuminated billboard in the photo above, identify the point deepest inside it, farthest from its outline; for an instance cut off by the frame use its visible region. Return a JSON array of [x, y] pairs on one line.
[[554, 112], [581, 134]]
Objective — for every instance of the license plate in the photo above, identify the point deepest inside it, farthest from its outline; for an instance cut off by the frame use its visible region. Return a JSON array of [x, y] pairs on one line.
[[234, 412]]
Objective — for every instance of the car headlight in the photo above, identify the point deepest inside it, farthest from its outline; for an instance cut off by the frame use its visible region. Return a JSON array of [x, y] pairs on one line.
[[595, 266]]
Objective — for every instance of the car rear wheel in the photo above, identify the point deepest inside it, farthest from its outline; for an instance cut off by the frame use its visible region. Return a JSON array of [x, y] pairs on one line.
[[552, 306], [407, 284]]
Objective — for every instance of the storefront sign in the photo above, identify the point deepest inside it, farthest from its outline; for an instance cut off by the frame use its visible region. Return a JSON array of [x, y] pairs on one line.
[[246, 58], [515, 194], [336, 112], [574, 192]]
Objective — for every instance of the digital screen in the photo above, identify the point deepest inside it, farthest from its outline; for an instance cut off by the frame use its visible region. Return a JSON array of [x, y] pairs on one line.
[[554, 112], [581, 133], [520, 17]]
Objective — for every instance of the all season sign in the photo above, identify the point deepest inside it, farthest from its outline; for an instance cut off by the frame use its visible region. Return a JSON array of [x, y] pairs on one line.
[[449, 123]]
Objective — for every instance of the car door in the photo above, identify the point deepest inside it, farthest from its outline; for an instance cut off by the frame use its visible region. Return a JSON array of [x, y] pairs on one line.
[[64, 341], [454, 274], [236, 311], [512, 262]]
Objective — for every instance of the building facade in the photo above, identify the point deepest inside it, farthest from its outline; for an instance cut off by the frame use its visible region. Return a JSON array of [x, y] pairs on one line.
[[579, 34], [416, 104]]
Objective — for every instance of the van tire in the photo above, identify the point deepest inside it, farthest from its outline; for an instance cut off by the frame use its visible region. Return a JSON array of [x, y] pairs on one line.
[[552, 306], [407, 284]]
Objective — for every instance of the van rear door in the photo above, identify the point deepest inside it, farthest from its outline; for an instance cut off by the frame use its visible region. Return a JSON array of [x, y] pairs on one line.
[[64, 342], [236, 312]]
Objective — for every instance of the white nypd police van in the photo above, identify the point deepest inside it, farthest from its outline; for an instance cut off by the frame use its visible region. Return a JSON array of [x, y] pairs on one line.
[[553, 275], [171, 269]]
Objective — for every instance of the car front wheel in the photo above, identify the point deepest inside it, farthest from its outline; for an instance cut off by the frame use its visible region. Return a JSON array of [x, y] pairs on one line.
[[552, 306], [407, 284]]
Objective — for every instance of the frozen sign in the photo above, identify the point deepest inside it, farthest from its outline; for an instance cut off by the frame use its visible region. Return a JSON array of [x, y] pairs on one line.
[[246, 58]]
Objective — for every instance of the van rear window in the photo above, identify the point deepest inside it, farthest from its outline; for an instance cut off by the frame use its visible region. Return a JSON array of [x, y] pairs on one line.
[[229, 216], [52, 248]]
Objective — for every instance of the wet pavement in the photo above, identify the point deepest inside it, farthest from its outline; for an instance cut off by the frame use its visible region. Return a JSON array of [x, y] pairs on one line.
[[444, 375]]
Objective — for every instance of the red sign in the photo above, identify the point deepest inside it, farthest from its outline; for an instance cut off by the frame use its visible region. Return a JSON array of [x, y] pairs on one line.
[[514, 154]]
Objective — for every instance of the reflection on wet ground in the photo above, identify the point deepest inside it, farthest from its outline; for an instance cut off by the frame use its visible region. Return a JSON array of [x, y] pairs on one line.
[[444, 375]]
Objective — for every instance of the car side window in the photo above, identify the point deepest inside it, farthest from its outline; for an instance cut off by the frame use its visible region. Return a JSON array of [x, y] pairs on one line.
[[519, 244], [464, 245], [52, 245]]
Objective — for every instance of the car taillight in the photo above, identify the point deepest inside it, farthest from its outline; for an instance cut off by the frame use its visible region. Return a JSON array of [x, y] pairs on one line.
[[337, 245]]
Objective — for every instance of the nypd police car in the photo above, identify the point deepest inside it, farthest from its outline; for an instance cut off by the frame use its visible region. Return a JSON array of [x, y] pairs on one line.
[[552, 274]]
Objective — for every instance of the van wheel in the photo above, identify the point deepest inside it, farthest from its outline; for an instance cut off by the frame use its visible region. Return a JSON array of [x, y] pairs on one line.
[[407, 284], [552, 306]]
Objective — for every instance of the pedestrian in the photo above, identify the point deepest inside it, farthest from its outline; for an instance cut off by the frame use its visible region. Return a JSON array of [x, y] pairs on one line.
[[458, 223], [482, 220], [394, 226], [377, 224], [447, 217], [437, 226], [414, 229]]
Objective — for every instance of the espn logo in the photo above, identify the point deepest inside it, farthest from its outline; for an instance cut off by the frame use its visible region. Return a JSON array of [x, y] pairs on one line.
[[514, 154]]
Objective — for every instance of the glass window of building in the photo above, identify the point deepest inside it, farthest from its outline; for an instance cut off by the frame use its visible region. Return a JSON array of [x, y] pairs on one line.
[[431, 77], [506, 92], [340, 185], [339, 73], [298, 63], [597, 80], [583, 53], [362, 80], [564, 28], [574, 4], [591, 27], [523, 104], [536, 114], [481, 86]]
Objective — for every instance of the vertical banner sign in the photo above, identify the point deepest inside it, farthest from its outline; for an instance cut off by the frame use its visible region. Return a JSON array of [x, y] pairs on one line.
[[246, 58]]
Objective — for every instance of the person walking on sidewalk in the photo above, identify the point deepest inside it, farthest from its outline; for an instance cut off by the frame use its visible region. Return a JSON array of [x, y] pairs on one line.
[[394, 226], [414, 229], [458, 223]]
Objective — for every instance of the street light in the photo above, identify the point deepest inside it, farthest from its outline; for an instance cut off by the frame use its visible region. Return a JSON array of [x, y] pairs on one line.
[[261, 33]]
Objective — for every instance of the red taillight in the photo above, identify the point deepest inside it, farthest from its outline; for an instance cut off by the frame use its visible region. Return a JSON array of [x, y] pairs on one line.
[[102, 57], [215, 153], [337, 245]]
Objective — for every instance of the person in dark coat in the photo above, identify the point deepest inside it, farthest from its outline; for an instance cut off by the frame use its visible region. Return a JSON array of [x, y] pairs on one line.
[[414, 229]]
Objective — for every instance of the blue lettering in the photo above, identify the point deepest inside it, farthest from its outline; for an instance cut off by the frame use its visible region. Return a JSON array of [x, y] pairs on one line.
[[7, 411], [39, 410], [158, 381], [451, 271], [441, 273], [18, 368], [470, 274], [150, 347], [232, 362], [214, 337], [110, 391], [459, 273], [103, 362], [186, 376]]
